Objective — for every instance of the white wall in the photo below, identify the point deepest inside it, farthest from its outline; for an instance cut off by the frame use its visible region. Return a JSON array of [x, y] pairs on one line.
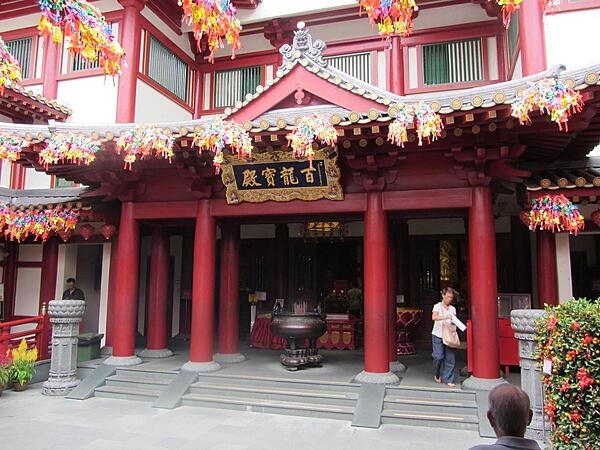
[[153, 106], [181, 41], [572, 37], [92, 99], [67, 267], [103, 309], [176, 249], [37, 180], [563, 267]]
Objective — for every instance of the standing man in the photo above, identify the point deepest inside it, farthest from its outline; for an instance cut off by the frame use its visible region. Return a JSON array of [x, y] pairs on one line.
[[72, 292]]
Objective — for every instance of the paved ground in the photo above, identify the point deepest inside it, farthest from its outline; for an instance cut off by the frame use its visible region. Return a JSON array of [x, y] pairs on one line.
[[29, 420]]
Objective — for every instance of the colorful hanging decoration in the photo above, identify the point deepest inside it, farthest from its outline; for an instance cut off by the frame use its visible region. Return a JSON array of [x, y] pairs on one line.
[[392, 17], [18, 224], [219, 134], [213, 20], [85, 26], [316, 127], [510, 6], [427, 123], [11, 146], [142, 140], [10, 69], [69, 147], [108, 230], [550, 96], [555, 213], [86, 231]]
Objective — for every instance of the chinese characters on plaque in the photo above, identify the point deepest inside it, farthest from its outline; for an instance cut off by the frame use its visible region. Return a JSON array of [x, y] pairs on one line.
[[278, 176]]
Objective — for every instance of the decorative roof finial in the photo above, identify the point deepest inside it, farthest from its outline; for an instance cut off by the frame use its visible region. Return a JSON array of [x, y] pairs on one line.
[[303, 46]]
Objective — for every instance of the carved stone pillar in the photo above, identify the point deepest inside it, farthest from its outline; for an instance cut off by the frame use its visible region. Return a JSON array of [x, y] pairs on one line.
[[65, 316], [523, 324]]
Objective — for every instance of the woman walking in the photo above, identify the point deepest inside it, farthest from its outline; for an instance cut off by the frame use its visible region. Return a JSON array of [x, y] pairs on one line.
[[443, 356]]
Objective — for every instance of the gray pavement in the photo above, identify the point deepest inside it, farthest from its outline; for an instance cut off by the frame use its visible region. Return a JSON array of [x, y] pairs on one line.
[[29, 420]]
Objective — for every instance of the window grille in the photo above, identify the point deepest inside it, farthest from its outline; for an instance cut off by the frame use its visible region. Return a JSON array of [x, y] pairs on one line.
[[79, 63], [453, 62], [168, 70], [62, 183], [233, 85], [357, 65], [21, 50]]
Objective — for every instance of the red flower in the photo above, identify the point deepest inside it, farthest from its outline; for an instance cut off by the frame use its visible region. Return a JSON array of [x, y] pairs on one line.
[[584, 379], [550, 409], [575, 416], [587, 340], [571, 355], [565, 386], [575, 326], [551, 322]]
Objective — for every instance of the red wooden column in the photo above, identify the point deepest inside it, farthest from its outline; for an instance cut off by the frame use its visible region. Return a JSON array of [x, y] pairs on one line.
[[203, 293], [130, 36], [126, 286], [531, 37], [547, 281], [484, 292], [49, 269], [50, 68], [229, 303], [376, 307], [396, 66], [158, 290]]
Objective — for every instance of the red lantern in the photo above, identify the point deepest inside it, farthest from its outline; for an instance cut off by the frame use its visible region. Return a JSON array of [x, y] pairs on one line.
[[86, 231], [108, 231], [524, 216], [596, 217], [65, 235]]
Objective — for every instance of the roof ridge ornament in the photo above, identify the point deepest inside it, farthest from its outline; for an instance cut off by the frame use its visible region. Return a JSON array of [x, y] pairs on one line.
[[303, 45]]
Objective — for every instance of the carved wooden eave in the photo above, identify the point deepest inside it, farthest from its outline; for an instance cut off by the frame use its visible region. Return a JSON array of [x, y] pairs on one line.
[[25, 106]]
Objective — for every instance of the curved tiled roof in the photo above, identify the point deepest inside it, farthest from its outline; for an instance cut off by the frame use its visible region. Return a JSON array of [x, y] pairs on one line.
[[39, 105], [41, 197], [563, 175]]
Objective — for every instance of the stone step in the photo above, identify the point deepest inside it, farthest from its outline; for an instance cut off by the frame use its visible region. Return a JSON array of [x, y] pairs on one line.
[[433, 393], [431, 406], [158, 383], [279, 383], [431, 420], [128, 393], [270, 406], [144, 374], [279, 393]]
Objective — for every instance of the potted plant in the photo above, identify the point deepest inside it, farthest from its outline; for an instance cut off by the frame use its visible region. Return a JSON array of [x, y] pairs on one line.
[[4, 372], [22, 365]]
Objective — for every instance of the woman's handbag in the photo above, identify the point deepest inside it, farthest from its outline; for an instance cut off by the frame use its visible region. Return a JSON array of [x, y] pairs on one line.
[[450, 336]]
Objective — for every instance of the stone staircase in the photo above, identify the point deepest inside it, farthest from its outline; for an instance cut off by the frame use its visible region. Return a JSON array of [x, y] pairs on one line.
[[334, 400], [135, 384], [403, 405], [431, 407]]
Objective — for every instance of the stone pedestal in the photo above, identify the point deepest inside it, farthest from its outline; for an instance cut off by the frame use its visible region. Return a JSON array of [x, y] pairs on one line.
[[523, 323], [65, 316]]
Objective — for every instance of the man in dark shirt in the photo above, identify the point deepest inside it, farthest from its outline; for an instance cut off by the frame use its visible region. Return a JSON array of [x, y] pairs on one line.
[[509, 414], [72, 292]]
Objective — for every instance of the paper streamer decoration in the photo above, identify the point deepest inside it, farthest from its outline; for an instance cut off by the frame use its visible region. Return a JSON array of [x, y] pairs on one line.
[[10, 69], [144, 140], [39, 223], [309, 129], [11, 146], [555, 213], [213, 20], [219, 134], [69, 147], [427, 123], [550, 96], [85, 26], [510, 6], [391, 16]]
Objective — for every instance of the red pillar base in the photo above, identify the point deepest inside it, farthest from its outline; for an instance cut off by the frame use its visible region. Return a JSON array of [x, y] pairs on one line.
[[229, 358], [377, 378], [201, 367]]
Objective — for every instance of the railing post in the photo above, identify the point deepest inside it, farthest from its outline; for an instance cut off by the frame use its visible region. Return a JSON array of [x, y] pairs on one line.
[[65, 316], [44, 336], [523, 324], [4, 332]]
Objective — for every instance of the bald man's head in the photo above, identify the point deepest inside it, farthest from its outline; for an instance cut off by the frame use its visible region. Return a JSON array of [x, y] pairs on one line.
[[509, 412]]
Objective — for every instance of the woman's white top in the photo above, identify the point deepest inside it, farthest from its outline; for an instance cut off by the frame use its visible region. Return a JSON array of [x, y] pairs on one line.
[[443, 312]]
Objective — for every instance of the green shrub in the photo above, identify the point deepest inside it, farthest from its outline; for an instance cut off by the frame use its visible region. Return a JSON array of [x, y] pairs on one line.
[[569, 337]]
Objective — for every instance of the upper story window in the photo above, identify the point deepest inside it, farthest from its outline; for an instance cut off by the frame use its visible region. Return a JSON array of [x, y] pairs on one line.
[[452, 62], [168, 70], [357, 65], [233, 85], [78, 63], [22, 50]]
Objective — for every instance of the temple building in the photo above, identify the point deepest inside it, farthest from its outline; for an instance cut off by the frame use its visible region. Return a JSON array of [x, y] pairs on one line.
[[176, 249]]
